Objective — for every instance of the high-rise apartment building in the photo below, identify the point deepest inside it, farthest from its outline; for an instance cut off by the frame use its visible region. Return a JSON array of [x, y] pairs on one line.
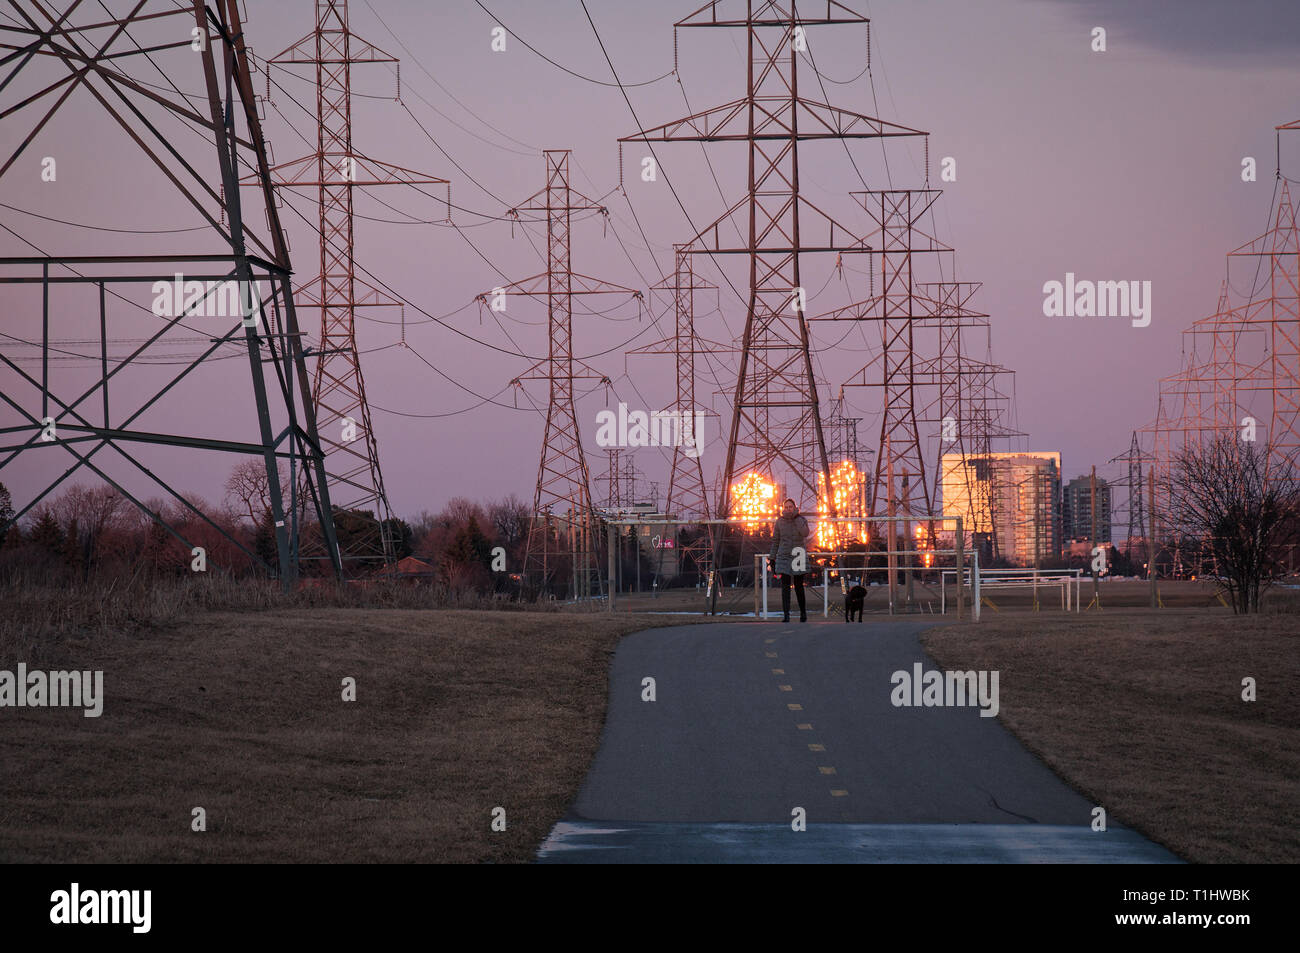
[[1076, 510], [1009, 502]]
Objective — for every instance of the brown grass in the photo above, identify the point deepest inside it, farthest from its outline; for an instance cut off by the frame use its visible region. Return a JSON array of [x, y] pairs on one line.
[[1142, 712], [39, 617], [457, 712]]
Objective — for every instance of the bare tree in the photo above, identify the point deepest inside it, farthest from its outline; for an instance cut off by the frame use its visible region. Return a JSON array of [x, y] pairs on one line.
[[95, 508], [248, 490], [423, 523], [92, 514], [459, 510], [1223, 493], [509, 519]]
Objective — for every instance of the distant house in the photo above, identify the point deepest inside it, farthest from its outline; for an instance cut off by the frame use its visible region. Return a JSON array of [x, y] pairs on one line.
[[407, 569]]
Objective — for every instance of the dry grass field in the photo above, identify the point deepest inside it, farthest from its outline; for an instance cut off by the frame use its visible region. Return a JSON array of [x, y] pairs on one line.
[[1142, 712], [230, 699], [241, 713]]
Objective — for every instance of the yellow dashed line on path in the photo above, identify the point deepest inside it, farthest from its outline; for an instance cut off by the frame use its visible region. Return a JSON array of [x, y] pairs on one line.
[[825, 770], [769, 641], [778, 671], [793, 707], [770, 654], [786, 688], [839, 792], [804, 726], [816, 747]]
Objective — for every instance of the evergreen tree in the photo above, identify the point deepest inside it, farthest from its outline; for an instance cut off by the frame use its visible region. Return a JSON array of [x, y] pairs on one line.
[[470, 546], [47, 534]]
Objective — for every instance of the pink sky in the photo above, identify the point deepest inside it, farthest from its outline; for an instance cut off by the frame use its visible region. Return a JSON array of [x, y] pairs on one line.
[[1123, 165]]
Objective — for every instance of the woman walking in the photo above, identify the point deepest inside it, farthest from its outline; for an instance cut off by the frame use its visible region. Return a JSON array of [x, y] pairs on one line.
[[789, 533]]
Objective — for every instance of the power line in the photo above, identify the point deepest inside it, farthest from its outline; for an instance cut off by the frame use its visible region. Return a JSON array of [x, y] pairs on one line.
[[379, 281], [588, 79], [481, 399], [358, 153], [641, 129], [533, 149], [104, 228]]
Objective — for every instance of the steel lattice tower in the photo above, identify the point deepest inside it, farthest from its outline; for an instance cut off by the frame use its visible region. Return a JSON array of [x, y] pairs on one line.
[[613, 479], [687, 492], [969, 408], [198, 45], [776, 416], [1207, 397], [563, 495], [896, 214], [1253, 368], [900, 305], [926, 374], [336, 170], [1278, 314], [687, 496], [842, 441], [1136, 490]]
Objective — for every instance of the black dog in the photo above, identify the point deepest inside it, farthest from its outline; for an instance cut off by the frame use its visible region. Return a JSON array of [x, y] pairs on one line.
[[853, 603]]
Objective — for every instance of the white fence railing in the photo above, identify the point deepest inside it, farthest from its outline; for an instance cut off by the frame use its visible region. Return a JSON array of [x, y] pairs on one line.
[[900, 562], [1068, 581]]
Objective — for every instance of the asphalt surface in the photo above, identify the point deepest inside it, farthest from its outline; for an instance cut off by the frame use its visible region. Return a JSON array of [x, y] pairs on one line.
[[752, 721], [610, 842]]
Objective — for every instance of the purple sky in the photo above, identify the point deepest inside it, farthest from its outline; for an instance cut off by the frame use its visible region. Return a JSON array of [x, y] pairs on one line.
[[1116, 165]]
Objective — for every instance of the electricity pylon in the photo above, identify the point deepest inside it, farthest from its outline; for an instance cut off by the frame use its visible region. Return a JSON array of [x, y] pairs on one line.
[[336, 170], [240, 246]]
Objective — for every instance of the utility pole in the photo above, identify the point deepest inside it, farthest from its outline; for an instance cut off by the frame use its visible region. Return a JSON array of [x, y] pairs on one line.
[[1092, 511], [1153, 546], [909, 545], [891, 546]]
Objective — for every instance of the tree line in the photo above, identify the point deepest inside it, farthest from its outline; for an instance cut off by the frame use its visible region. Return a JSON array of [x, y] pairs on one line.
[[86, 531]]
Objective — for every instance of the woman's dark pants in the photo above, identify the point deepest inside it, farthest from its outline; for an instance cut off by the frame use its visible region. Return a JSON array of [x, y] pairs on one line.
[[798, 592]]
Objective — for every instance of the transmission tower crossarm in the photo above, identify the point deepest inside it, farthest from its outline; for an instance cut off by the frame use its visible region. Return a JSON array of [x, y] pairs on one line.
[[538, 286], [367, 172], [729, 123], [771, 13]]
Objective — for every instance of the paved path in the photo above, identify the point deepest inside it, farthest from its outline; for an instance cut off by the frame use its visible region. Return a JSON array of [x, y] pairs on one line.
[[753, 720]]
